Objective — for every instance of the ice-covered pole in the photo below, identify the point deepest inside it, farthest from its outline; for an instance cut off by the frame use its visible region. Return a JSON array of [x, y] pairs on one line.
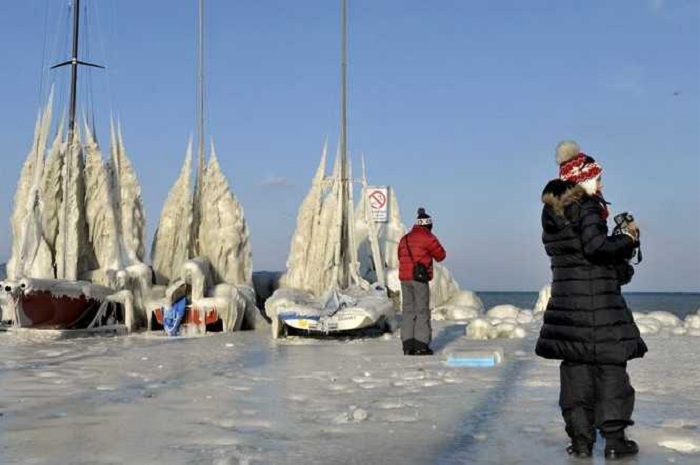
[[344, 274]]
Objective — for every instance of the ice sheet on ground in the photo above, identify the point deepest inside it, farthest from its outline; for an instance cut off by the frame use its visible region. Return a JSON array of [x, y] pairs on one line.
[[317, 402]]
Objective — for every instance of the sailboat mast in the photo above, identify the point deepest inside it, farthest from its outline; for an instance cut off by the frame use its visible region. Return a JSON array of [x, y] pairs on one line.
[[200, 131], [200, 93], [74, 62], [344, 276], [71, 134], [74, 71]]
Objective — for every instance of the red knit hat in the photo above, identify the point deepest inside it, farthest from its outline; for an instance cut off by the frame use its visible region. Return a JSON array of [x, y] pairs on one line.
[[579, 169]]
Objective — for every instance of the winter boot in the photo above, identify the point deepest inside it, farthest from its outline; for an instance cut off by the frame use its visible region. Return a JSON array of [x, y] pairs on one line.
[[620, 447], [580, 449], [409, 347], [421, 348]]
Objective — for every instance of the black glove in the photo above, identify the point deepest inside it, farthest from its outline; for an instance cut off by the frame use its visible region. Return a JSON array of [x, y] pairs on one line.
[[624, 271]]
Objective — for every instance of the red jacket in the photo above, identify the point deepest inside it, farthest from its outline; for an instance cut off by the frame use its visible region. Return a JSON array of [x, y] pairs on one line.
[[424, 247]]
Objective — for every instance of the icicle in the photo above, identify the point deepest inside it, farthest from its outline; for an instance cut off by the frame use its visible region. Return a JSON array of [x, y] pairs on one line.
[[311, 260], [26, 218], [172, 241], [131, 213], [223, 232], [100, 215]]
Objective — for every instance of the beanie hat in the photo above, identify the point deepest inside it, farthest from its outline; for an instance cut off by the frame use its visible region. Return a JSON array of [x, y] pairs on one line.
[[423, 218], [579, 169]]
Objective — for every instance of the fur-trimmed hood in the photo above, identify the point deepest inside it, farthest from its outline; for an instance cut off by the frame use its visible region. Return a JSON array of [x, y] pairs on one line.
[[560, 194], [557, 196]]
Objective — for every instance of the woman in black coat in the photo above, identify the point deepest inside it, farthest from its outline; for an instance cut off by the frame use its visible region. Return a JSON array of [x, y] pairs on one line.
[[587, 324]]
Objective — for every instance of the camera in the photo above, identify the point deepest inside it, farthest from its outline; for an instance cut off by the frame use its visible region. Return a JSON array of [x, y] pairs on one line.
[[622, 222]]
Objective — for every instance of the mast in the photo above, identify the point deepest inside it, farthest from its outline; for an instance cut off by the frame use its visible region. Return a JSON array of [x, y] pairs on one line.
[[74, 71], [200, 132], [344, 275], [71, 133], [74, 63]]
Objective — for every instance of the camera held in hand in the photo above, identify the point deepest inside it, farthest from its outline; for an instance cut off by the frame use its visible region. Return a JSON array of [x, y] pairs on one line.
[[622, 223]]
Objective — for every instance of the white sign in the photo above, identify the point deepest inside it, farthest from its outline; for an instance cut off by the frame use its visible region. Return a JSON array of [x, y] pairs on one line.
[[378, 199]]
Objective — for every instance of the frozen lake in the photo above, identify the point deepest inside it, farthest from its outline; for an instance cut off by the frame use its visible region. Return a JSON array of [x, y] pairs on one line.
[[244, 398]]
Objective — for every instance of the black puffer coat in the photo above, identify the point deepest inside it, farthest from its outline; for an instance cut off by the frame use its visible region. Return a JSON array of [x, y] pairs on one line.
[[587, 319]]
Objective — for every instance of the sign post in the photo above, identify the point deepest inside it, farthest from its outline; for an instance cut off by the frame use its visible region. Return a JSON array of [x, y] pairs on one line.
[[378, 198]]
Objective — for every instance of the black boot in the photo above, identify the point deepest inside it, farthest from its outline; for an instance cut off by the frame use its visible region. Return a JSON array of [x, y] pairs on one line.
[[620, 447], [409, 347], [421, 348], [580, 449]]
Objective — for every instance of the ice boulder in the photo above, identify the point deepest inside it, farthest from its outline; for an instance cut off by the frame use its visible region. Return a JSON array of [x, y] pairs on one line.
[[543, 299], [679, 331], [648, 325], [455, 313], [667, 320], [509, 331], [503, 312], [655, 322], [692, 322], [463, 305], [480, 328], [524, 317]]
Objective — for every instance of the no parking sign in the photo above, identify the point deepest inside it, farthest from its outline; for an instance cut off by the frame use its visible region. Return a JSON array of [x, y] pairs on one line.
[[378, 198]]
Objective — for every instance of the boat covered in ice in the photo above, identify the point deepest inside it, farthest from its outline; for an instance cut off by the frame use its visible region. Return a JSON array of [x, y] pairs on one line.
[[77, 228], [322, 290], [201, 250], [316, 294]]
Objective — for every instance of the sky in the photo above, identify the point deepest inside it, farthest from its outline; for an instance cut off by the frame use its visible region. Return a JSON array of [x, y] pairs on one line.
[[457, 104]]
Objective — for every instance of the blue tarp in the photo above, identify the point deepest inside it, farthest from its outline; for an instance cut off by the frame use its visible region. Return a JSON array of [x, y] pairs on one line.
[[172, 317]]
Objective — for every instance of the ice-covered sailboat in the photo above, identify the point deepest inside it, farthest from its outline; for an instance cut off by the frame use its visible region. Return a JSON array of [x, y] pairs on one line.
[[77, 228], [322, 290], [201, 251]]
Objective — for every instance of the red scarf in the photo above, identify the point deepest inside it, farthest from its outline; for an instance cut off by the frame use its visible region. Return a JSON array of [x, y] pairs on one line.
[[604, 212]]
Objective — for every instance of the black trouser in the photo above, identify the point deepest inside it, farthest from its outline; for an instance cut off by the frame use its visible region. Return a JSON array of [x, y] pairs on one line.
[[595, 396]]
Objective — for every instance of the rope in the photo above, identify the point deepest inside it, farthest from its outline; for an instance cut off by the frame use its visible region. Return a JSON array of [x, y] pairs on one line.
[[62, 79], [43, 54], [89, 95], [110, 96]]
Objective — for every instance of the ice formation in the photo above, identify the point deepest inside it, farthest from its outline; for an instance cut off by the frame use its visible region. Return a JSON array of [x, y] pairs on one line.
[[312, 294], [223, 231], [311, 263], [667, 323], [29, 252], [501, 321], [543, 299], [102, 229], [68, 221], [213, 256], [171, 243], [71, 213], [129, 210]]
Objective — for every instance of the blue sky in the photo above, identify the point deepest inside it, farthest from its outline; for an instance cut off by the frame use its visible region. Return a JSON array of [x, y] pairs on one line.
[[457, 104]]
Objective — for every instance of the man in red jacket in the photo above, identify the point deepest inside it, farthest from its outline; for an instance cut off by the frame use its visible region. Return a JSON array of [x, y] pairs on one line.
[[418, 247]]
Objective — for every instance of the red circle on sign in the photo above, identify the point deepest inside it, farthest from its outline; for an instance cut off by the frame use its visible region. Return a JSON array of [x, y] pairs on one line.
[[377, 199]]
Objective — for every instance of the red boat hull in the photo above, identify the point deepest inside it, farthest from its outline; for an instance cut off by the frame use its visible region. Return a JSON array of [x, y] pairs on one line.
[[45, 310], [211, 317]]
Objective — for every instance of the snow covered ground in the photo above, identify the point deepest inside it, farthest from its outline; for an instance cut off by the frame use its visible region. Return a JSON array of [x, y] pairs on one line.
[[243, 398]]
